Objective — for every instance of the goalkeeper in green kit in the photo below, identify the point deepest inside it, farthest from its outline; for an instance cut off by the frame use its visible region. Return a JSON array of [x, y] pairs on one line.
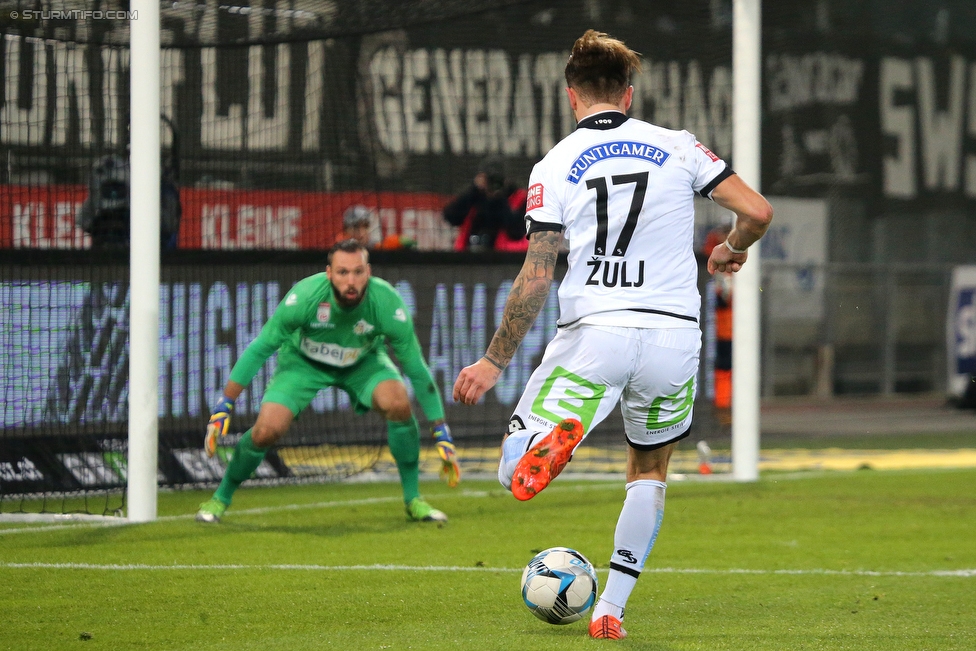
[[331, 331]]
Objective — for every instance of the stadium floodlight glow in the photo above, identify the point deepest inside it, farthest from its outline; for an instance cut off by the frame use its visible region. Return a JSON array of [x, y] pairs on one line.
[[144, 215], [746, 128]]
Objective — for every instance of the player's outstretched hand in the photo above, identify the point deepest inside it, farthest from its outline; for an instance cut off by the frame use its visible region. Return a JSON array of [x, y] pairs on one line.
[[218, 425], [474, 381], [450, 471]]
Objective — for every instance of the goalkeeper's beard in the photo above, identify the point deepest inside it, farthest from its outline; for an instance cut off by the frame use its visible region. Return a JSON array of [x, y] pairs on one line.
[[343, 299]]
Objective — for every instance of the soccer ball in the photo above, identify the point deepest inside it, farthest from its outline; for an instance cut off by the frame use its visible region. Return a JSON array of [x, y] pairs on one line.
[[559, 585]]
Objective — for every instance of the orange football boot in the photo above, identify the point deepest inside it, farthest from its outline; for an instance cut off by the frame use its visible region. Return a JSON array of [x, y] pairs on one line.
[[607, 627], [546, 459]]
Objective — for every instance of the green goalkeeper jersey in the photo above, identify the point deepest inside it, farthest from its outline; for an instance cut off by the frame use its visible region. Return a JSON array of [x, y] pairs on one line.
[[311, 321]]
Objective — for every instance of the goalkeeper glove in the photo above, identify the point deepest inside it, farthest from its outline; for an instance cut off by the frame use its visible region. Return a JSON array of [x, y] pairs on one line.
[[450, 471], [218, 425]]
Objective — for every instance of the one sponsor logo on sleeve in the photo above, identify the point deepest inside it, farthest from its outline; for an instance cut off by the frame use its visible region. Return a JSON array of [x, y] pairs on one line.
[[708, 152], [534, 199], [292, 299]]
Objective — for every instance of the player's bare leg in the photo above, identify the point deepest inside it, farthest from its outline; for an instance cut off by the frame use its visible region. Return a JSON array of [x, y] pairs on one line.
[[637, 529]]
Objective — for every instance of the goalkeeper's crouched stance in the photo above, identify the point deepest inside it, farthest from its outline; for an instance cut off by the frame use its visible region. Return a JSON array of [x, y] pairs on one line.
[[331, 330]]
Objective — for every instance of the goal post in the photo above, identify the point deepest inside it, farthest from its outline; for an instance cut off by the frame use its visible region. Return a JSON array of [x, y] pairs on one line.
[[144, 263], [746, 112]]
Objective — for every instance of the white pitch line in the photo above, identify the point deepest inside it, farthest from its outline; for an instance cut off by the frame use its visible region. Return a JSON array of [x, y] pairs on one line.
[[112, 567]]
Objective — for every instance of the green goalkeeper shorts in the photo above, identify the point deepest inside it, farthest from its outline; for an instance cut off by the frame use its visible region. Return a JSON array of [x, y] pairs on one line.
[[297, 379]]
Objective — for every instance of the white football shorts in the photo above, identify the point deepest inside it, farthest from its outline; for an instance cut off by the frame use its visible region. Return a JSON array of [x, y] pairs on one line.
[[588, 369]]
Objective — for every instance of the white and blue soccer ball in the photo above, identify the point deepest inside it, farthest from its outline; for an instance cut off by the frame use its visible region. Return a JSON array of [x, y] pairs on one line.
[[559, 585]]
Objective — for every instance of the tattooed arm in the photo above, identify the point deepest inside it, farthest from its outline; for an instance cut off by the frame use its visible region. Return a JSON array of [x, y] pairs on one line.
[[525, 300]]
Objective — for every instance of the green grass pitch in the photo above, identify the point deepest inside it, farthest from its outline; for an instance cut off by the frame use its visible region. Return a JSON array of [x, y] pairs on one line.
[[862, 561]]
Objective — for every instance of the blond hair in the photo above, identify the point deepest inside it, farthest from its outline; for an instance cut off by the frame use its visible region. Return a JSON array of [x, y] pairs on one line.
[[599, 68]]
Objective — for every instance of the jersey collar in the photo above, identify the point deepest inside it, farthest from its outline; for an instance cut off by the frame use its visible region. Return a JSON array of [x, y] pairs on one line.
[[603, 120]]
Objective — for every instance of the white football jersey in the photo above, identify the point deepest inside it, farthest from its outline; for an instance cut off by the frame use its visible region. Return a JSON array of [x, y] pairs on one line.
[[622, 191]]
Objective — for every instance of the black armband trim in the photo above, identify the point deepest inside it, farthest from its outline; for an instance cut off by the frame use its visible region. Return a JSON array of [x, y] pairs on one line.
[[724, 174], [541, 227]]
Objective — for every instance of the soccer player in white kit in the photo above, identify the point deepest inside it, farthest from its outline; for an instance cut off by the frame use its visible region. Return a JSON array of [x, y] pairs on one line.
[[622, 192]]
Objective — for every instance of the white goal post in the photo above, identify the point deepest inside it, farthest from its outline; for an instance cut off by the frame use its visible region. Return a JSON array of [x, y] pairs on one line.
[[144, 216], [746, 125]]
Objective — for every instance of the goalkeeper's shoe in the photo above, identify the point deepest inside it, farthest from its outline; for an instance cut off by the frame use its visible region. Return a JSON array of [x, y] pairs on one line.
[[546, 459], [211, 511], [450, 469], [419, 510], [607, 627]]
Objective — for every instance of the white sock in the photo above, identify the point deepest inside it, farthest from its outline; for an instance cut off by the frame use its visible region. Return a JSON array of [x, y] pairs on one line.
[[516, 445], [637, 529]]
